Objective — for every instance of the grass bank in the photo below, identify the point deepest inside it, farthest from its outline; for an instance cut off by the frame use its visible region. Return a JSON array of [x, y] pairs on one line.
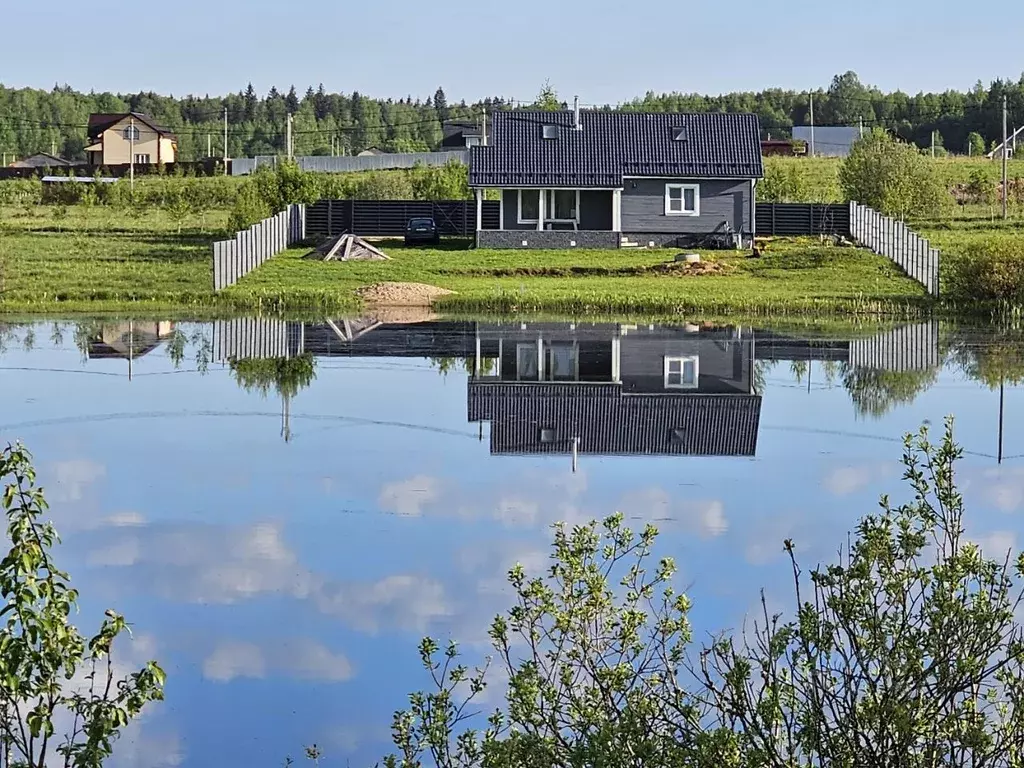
[[94, 259], [791, 278]]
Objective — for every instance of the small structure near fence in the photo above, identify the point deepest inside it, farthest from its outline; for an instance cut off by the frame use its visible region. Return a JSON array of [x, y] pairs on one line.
[[233, 259], [888, 237]]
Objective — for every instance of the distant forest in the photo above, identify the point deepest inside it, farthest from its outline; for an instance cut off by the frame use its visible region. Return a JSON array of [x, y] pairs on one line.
[[42, 121]]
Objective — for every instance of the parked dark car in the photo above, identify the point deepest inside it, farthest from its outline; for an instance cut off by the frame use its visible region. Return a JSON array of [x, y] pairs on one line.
[[422, 231]]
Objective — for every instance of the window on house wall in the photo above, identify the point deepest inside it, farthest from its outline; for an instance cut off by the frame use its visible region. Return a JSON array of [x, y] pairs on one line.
[[561, 362], [562, 204], [529, 206], [131, 133], [142, 159], [527, 362], [682, 372], [682, 200]]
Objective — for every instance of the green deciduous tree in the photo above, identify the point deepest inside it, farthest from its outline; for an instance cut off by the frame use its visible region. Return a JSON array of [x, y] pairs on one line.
[[891, 177], [50, 674], [907, 652]]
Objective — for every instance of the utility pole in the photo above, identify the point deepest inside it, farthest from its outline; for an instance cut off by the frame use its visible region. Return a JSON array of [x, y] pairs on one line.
[[225, 141], [862, 127], [131, 165], [1006, 148], [288, 149], [209, 145], [812, 125]]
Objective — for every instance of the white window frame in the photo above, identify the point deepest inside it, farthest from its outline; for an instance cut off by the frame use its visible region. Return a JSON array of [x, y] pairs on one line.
[[126, 133], [532, 348], [519, 212], [682, 188], [682, 361], [143, 159], [549, 208]]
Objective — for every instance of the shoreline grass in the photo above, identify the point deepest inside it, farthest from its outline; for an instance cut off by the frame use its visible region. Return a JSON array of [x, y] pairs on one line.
[[95, 259]]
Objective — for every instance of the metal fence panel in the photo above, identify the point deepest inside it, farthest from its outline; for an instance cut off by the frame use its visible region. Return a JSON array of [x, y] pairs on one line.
[[327, 164], [233, 259], [894, 239]]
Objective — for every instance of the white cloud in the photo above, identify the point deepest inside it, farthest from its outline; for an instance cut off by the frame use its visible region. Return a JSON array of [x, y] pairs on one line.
[[705, 517], [408, 497], [844, 481], [230, 660], [405, 601], [223, 565], [72, 478], [1002, 487], [997, 544], [302, 658]]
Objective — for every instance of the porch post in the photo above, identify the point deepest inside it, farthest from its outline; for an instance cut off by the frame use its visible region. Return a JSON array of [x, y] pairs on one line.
[[479, 209], [541, 213], [616, 210], [501, 210], [753, 211]]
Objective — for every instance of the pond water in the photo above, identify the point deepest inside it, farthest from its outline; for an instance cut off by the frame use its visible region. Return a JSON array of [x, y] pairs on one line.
[[283, 509]]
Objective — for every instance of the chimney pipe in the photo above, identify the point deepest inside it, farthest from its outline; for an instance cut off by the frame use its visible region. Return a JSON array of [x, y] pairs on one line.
[[576, 113]]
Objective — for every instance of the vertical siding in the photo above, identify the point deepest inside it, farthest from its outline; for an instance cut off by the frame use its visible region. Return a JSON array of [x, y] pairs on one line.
[[721, 203], [596, 209], [722, 365], [510, 199]]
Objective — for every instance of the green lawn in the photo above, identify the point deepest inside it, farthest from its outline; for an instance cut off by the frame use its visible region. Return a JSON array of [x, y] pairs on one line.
[[95, 259], [790, 278], [92, 257]]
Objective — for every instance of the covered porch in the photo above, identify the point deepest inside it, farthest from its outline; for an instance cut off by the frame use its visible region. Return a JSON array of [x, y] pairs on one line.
[[534, 217]]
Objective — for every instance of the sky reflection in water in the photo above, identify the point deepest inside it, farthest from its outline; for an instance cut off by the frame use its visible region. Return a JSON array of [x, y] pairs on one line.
[[284, 583]]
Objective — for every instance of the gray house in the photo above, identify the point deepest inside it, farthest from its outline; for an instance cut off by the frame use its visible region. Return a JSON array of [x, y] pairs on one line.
[[618, 389], [608, 179]]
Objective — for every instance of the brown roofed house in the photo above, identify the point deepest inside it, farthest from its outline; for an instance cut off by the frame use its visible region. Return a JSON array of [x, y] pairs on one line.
[[115, 138]]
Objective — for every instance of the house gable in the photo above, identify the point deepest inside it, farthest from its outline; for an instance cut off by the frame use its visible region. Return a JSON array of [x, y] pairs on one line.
[[547, 149]]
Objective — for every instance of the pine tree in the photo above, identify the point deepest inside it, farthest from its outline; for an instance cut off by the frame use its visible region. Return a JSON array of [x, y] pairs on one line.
[[291, 101], [441, 105], [251, 102], [321, 103]]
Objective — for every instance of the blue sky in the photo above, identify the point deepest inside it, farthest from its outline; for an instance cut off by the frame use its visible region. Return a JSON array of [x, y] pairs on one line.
[[601, 50]]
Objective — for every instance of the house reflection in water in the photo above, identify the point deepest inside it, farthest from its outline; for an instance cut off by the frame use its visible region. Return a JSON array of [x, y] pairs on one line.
[[618, 389], [128, 340]]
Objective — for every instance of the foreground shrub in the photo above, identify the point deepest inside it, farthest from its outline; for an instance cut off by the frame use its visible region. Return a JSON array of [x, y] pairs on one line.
[[907, 651], [49, 672], [991, 270]]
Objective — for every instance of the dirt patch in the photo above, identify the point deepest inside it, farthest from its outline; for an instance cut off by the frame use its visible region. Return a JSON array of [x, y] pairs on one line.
[[401, 294], [404, 315]]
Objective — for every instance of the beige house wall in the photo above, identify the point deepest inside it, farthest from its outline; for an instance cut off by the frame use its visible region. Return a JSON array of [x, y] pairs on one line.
[[117, 150]]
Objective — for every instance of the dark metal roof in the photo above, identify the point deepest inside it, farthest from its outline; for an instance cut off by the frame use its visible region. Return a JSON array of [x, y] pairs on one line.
[[611, 145], [101, 121], [41, 160], [609, 422]]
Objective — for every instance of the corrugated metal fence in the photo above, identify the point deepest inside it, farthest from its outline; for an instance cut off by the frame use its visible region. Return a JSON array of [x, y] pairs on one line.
[[256, 337], [796, 219], [889, 237], [907, 348], [388, 218], [232, 259], [243, 166]]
